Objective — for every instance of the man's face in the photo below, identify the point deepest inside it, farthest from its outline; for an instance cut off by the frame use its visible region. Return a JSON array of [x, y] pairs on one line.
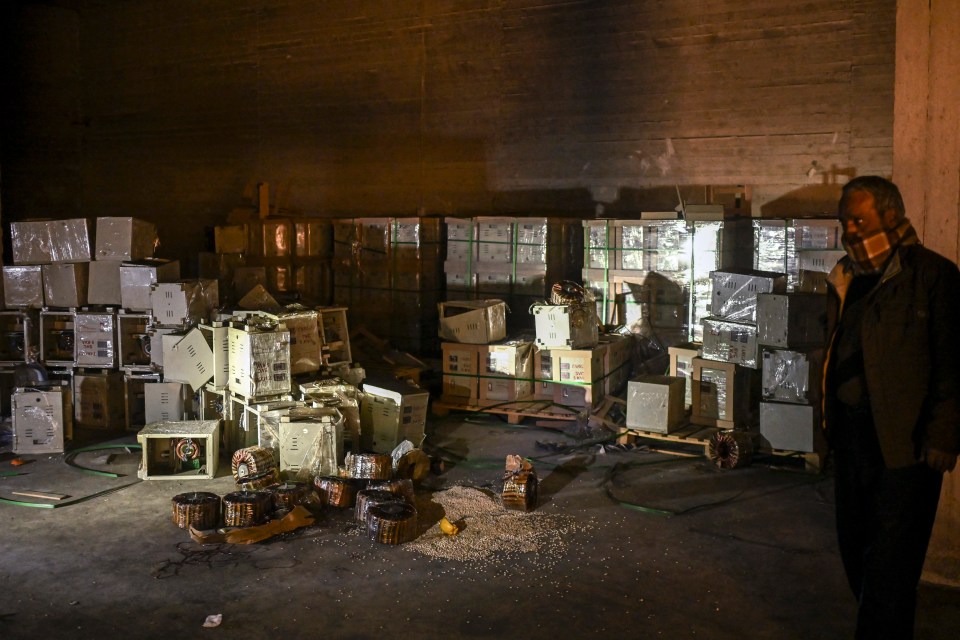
[[860, 217]]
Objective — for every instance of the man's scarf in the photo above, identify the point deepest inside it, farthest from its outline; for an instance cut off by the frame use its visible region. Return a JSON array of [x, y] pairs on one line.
[[870, 254]]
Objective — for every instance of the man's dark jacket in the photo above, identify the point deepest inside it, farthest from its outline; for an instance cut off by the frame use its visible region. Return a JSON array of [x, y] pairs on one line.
[[911, 353]]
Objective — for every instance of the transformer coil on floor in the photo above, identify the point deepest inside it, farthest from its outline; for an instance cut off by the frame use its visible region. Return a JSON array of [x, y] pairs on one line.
[[371, 466], [252, 462], [367, 498], [288, 495], [730, 449], [260, 482], [520, 490], [392, 522], [246, 508], [401, 486], [336, 491], [199, 509]]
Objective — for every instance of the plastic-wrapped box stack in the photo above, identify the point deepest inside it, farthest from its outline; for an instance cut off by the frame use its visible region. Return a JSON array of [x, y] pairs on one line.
[[724, 378], [653, 275], [387, 272], [286, 255], [805, 249], [514, 259], [791, 332]]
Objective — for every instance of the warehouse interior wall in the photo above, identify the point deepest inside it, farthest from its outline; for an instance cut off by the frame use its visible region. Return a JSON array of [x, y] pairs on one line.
[[926, 166], [172, 110]]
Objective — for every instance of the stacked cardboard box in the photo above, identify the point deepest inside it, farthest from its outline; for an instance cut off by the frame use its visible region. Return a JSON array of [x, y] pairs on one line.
[[510, 258], [387, 272], [805, 249], [468, 328]]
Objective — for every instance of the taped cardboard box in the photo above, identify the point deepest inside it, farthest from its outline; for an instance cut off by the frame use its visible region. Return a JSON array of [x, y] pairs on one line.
[[792, 376], [44, 241], [104, 282], [66, 284], [506, 371], [473, 322], [461, 369], [735, 292], [125, 238], [23, 287]]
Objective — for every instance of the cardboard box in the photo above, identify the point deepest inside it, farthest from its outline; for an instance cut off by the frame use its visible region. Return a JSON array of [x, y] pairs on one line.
[[392, 411], [565, 326], [655, 403], [722, 394], [104, 282], [792, 376], [232, 238], [729, 341], [818, 234], [180, 450], [581, 374], [125, 238], [98, 400], [461, 369], [136, 279], [506, 371], [23, 287], [791, 320], [790, 427], [65, 284], [473, 322], [166, 402], [617, 362], [735, 292], [44, 241], [543, 384]]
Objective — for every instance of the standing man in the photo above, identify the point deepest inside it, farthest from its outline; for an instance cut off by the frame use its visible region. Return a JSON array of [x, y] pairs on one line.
[[891, 400]]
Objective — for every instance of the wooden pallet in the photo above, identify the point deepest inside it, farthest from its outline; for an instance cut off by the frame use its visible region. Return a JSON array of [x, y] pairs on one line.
[[515, 412]]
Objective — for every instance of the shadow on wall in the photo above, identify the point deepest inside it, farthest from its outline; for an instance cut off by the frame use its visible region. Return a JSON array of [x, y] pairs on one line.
[[815, 197]]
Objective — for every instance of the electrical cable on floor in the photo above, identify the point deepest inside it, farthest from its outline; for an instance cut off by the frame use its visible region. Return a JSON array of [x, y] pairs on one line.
[[68, 459]]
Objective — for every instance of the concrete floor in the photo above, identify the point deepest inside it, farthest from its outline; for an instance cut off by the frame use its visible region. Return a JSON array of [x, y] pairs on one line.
[[701, 553]]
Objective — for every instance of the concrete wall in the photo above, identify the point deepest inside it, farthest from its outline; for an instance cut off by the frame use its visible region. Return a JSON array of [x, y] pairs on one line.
[[927, 169], [171, 109]]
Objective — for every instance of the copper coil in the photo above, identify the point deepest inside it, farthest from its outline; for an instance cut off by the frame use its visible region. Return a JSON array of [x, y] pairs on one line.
[[400, 486], [520, 490], [246, 508], [371, 466], [392, 522], [567, 292], [252, 462], [335, 491], [730, 449], [199, 509], [260, 482], [367, 498], [289, 494]]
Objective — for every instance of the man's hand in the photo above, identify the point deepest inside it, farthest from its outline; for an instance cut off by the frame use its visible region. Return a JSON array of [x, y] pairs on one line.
[[940, 460]]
